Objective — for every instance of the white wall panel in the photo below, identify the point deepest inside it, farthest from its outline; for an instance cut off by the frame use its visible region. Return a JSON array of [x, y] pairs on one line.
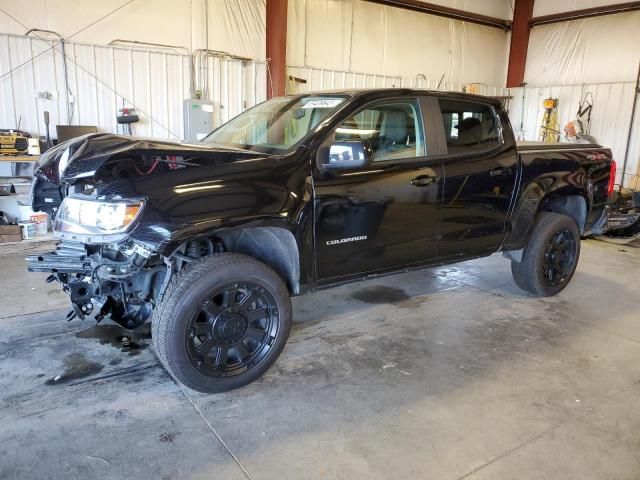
[[235, 26], [593, 50], [597, 54], [314, 79], [325, 79], [549, 7], [328, 30], [103, 79], [353, 35], [491, 8], [609, 121]]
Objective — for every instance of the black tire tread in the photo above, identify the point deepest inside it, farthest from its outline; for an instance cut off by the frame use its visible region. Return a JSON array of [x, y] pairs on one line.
[[526, 272]]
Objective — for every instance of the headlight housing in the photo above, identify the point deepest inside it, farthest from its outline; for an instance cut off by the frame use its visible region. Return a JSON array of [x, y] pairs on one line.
[[96, 221]]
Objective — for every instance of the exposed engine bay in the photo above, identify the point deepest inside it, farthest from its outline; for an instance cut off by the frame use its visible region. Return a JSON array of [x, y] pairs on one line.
[[123, 282]]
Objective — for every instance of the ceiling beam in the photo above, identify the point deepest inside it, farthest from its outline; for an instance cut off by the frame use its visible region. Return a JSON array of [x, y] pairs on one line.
[[584, 13], [432, 9]]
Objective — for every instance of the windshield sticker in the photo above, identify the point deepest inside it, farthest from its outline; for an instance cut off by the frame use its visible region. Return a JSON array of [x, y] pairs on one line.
[[323, 103]]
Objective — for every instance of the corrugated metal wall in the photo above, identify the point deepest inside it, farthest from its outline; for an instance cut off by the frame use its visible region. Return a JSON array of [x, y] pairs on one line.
[[612, 104], [311, 78], [306, 79], [102, 79]]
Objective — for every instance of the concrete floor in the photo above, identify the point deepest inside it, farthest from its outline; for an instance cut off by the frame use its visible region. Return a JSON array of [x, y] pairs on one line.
[[451, 373]]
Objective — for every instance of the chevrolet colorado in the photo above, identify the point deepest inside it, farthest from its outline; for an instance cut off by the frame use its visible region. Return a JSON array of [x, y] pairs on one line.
[[208, 242]]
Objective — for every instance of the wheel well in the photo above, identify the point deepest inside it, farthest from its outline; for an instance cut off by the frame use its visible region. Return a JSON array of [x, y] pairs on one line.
[[274, 246], [573, 206]]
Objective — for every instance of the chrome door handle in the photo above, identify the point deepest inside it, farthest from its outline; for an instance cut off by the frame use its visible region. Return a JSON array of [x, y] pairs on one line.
[[424, 180]]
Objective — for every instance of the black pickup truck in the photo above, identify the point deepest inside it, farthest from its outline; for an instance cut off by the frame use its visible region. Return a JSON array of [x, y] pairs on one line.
[[208, 242]]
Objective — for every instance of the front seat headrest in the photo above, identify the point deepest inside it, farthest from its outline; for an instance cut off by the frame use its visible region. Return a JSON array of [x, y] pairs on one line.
[[396, 126], [470, 131]]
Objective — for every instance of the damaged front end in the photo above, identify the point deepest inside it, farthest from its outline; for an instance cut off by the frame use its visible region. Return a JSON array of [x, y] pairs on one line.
[[126, 211], [120, 281]]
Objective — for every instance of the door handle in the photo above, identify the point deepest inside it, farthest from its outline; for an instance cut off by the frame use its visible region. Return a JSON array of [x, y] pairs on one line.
[[424, 180], [500, 172]]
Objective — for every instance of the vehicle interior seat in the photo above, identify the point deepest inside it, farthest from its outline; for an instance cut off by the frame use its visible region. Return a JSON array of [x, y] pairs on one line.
[[396, 134], [470, 132]]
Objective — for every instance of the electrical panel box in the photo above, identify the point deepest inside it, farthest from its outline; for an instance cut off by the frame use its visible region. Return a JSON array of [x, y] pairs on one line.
[[198, 119]]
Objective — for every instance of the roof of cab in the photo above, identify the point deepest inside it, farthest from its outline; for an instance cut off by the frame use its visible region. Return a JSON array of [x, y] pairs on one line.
[[399, 91]]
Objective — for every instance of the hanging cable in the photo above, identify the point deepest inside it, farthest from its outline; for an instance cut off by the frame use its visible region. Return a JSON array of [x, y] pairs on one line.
[[54, 50], [55, 45]]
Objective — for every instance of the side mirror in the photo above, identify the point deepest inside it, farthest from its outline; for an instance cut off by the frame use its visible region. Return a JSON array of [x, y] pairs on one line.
[[349, 155]]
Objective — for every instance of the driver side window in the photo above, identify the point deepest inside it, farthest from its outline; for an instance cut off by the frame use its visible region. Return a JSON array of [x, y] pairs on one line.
[[393, 129]]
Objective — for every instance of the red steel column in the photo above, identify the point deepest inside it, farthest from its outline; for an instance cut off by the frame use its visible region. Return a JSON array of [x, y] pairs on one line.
[[277, 47], [522, 13]]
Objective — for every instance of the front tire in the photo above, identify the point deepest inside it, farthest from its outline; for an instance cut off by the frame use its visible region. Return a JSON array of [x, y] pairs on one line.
[[550, 258], [222, 322]]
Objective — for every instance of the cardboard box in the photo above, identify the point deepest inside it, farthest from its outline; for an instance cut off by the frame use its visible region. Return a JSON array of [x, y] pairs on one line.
[[10, 233]]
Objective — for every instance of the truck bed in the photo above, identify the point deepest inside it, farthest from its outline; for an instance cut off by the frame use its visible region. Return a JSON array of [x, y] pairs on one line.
[[527, 146]]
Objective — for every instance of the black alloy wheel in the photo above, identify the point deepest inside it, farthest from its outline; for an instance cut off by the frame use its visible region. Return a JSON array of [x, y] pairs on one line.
[[550, 258], [233, 329], [560, 257], [222, 322]]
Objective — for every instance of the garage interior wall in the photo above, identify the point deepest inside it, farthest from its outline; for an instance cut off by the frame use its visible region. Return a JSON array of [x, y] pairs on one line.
[[103, 78], [568, 59], [369, 38]]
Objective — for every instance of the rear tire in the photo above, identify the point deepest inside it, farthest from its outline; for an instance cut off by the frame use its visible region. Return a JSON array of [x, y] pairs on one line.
[[551, 256], [222, 322]]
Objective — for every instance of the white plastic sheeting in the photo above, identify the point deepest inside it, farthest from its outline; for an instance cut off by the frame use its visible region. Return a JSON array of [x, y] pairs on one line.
[[490, 8], [102, 79], [549, 7], [592, 50], [609, 120], [598, 54], [353, 35], [234, 26]]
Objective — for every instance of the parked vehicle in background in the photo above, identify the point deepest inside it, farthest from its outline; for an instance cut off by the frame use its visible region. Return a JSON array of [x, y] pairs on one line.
[[208, 242]]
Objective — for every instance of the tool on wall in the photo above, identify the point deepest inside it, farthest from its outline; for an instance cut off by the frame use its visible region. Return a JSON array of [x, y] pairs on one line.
[[583, 115], [126, 117], [550, 128], [579, 128]]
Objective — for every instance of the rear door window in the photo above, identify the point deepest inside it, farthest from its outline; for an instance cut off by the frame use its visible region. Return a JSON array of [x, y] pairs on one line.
[[469, 126]]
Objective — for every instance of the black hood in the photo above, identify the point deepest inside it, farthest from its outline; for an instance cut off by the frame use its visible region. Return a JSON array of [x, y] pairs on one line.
[[81, 157]]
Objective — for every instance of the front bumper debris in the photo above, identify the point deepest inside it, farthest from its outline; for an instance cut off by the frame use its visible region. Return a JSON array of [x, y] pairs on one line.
[[116, 282], [68, 258]]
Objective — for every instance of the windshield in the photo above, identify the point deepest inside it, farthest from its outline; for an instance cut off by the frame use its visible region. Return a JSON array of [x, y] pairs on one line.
[[275, 125]]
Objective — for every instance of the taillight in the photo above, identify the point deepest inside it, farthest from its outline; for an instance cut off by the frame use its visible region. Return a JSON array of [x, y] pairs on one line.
[[612, 178]]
